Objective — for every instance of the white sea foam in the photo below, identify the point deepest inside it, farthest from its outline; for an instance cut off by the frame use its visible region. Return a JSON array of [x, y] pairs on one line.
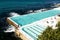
[[14, 14]]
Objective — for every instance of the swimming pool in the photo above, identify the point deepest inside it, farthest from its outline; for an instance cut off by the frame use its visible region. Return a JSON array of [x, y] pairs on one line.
[[32, 31], [32, 17]]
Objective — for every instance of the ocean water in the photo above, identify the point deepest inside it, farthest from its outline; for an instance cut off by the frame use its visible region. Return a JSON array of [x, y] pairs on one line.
[[7, 6]]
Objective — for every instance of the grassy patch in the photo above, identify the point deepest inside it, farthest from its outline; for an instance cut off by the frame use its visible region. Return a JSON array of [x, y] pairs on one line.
[[50, 34]]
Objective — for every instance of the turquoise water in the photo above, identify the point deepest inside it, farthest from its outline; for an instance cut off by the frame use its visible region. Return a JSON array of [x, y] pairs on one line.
[[34, 31], [29, 18], [8, 5]]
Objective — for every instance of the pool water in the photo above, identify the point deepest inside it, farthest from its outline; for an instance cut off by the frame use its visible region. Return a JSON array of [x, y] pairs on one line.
[[32, 17], [33, 31]]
